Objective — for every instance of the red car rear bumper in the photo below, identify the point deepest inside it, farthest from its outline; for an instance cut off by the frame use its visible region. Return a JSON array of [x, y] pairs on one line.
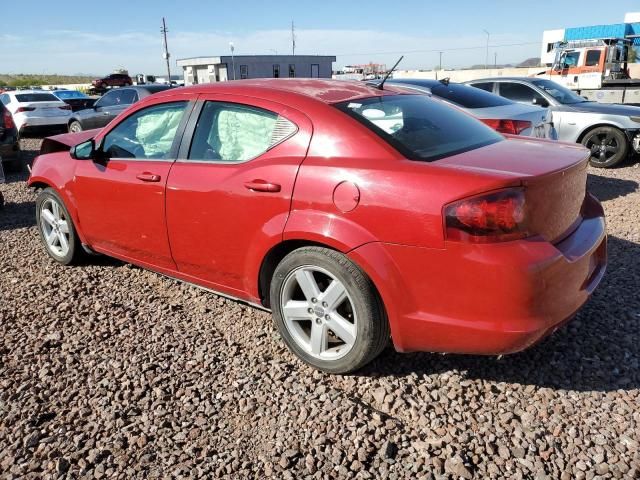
[[486, 298]]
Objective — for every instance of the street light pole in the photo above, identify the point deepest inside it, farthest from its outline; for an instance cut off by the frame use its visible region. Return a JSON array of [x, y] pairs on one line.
[[166, 54], [233, 62], [486, 61], [440, 65]]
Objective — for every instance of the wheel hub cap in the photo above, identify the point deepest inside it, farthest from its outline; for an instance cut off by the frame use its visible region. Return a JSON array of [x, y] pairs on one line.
[[318, 313]]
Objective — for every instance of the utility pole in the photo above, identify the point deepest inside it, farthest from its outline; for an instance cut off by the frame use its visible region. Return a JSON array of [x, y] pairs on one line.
[[486, 60], [293, 39], [233, 61], [495, 59], [440, 65], [166, 54]]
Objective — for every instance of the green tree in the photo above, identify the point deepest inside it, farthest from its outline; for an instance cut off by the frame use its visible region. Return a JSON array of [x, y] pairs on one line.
[[633, 55]]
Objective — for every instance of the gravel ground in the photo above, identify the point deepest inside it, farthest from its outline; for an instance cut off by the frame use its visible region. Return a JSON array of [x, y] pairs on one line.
[[110, 371]]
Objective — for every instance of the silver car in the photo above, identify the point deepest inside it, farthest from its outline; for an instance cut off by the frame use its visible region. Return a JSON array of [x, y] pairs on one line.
[[610, 131], [501, 114]]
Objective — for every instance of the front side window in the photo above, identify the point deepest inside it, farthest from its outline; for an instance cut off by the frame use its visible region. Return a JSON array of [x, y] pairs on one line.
[[147, 134], [233, 133], [571, 59], [107, 100], [419, 127]]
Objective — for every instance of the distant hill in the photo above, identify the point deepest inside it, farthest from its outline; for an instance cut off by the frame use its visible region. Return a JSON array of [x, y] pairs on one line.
[[530, 62], [25, 80]]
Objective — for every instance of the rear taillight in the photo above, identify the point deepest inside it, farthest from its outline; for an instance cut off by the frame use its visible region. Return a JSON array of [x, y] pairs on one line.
[[7, 120], [25, 109], [514, 127], [493, 217], [66, 107]]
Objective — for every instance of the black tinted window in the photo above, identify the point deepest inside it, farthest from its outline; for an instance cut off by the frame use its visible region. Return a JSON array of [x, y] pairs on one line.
[[468, 97], [487, 86], [593, 58], [419, 127], [36, 97], [517, 92]]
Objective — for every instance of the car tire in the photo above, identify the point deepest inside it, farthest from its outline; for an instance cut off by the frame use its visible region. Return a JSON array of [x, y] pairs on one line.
[[57, 232], [609, 146], [336, 323], [75, 127], [14, 163]]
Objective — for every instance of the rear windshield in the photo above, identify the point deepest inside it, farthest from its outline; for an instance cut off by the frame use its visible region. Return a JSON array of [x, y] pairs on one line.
[[70, 94], [420, 128], [468, 97], [36, 97]]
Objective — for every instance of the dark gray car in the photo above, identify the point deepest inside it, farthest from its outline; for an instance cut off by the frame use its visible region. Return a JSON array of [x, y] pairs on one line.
[[110, 105], [608, 130]]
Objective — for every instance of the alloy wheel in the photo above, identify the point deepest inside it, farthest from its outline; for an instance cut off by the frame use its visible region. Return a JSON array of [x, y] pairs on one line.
[[318, 312], [55, 227], [603, 146]]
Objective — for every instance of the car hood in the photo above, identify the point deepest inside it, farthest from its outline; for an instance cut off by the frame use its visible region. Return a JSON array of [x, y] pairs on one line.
[[64, 142], [604, 108]]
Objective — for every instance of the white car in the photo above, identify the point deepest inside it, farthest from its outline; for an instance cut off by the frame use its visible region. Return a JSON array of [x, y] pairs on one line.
[[35, 108]]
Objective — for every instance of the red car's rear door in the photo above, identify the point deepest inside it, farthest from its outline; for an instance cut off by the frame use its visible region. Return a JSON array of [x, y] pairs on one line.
[[229, 192], [121, 197]]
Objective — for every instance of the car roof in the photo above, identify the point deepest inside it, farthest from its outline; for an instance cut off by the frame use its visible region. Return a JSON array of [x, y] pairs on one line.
[[422, 82], [22, 92], [498, 79], [323, 90]]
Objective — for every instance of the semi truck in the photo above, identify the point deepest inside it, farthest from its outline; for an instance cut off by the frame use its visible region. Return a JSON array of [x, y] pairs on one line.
[[596, 69]]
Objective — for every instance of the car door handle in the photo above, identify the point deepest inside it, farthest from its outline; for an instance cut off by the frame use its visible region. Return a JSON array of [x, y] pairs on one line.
[[262, 186], [148, 177]]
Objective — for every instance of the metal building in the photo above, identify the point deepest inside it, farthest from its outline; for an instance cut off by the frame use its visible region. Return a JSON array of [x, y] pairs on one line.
[[237, 67]]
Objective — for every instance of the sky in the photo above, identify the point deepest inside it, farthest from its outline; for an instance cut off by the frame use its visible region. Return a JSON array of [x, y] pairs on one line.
[[82, 37]]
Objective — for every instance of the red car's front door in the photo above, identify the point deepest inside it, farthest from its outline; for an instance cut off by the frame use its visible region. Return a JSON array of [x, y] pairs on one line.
[[121, 195], [229, 192]]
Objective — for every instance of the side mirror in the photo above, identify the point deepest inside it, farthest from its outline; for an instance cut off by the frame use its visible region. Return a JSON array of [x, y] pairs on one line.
[[84, 151], [541, 102]]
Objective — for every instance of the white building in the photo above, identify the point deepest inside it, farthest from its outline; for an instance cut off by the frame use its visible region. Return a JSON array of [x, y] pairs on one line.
[[238, 67]]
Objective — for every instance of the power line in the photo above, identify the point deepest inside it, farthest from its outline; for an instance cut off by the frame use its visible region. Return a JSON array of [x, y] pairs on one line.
[[435, 50]]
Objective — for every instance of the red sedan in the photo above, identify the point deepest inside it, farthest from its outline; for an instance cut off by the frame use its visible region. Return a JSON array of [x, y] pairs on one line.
[[354, 214]]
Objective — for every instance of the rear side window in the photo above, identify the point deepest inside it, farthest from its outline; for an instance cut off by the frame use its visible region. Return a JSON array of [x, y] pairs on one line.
[[233, 133], [486, 86], [517, 92], [593, 58], [36, 97], [419, 127], [468, 97]]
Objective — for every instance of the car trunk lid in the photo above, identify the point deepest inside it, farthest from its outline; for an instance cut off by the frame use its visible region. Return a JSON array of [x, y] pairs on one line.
[[554, 176]]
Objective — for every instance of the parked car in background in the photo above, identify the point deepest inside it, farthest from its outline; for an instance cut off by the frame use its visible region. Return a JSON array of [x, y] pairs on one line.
[[75, 99], [113, 80], [109, 106], [9, 147], [499, 113], [609, 131], [33, 109], [295, 196]]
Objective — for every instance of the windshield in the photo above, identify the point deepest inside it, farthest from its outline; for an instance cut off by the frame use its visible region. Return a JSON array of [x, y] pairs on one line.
[[419, 127], [68, 94], [560, 93]]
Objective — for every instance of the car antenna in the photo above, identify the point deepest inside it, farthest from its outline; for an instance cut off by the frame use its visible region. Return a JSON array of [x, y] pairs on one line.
[[381, 84], [445, 81]]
